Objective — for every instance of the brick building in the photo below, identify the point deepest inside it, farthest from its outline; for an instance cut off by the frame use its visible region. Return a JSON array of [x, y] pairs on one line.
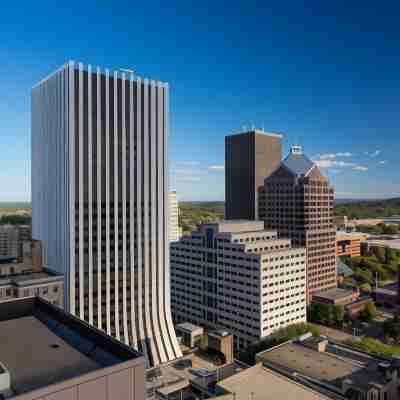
[[297, 201]]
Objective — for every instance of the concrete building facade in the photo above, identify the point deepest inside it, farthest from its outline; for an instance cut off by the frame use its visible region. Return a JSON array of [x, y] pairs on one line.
[[297, 201], [25, 276], [249, 158], [175, 231], [8, 240], [100, 200], [12, 237], [237, 276]]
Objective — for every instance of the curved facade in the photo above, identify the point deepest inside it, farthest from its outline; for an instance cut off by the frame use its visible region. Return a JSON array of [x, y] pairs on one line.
[[100, 200]]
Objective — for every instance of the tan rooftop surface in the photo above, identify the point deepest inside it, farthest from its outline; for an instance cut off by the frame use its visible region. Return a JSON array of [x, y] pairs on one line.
[[309, 362], [334, 294], [25, 349], [332, 366], [259, 383]]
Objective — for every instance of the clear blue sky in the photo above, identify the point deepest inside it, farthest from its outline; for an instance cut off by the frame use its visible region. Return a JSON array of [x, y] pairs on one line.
[[325, 74]]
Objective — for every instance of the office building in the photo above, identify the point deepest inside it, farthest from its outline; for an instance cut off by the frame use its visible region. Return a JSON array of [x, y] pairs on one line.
[[372, 245], [297, 201], [46, 353], [237, 276], [333, 369], [12, 237], [175, 231], [8, 240], [249, 158], [100, 200], [25, 276], [349, 243], [24, 233]]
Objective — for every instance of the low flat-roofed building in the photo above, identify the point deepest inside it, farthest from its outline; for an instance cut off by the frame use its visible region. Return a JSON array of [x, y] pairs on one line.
[[261, 383], [45, 284], [368, 246], [349, 243], [387, 296], [336, 296], [336, 368], [366, 221], [52, 355], [191, 334], [26, 276]]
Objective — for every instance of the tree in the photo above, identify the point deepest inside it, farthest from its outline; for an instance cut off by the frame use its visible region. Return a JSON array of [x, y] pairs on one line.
[[391, 328], [366, 288], [15, 219], [315, 312], [369, 312], [338, 314], [379, 252], [390, 255], [326, 314]]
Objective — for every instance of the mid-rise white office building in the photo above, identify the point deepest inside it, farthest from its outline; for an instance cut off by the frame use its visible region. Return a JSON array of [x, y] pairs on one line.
[[238, 276]]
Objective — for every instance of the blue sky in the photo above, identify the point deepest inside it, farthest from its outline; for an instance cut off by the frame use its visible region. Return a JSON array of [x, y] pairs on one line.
[[323, 73]]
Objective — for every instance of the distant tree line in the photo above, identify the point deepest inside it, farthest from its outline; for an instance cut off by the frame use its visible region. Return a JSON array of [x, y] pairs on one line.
[[380, 229], [15, 219], [369, 209]]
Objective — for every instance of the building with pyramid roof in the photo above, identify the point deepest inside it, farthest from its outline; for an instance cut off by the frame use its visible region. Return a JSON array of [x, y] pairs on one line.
[[297, 201]]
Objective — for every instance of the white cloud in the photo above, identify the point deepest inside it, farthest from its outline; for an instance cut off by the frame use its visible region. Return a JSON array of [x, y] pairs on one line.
[[345, 154], [383, 162], [374, 153], [188, 179], [216, 168], [328, 156], [183, 171], [360, 168], [188, 163], [333, 164], [332, 156]]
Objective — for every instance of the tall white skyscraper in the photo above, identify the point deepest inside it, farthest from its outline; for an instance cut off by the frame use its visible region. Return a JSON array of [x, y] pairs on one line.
[[100, 200], [175, 232]]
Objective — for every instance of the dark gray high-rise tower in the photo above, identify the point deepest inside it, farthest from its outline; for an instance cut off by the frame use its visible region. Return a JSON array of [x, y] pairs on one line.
[[100, 200], [250, 157]]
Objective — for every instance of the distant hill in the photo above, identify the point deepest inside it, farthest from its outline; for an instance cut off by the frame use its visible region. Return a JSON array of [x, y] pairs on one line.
[[14, 205], [369, 208], [193, 212]]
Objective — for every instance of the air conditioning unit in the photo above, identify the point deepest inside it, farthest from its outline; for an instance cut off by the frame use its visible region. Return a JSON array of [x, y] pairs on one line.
[[5, 382]]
